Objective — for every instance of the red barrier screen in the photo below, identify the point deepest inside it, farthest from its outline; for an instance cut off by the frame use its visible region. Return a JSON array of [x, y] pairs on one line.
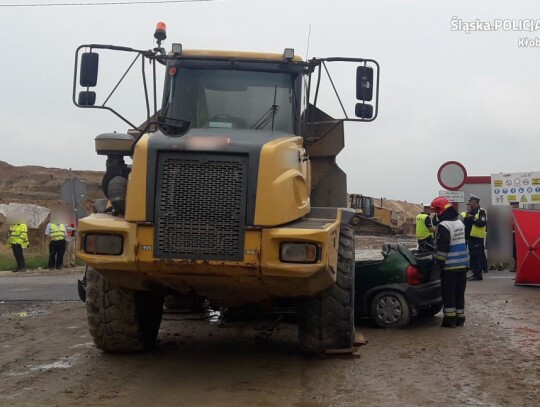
[[527, 231]]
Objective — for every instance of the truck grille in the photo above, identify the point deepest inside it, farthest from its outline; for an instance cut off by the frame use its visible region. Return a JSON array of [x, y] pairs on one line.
[[200, 206]]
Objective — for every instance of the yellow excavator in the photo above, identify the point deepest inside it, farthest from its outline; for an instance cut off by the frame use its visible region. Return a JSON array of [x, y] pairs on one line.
[[370, 218]]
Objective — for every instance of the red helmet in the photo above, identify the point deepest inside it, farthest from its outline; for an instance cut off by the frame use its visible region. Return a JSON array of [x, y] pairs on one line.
[[440, 204]]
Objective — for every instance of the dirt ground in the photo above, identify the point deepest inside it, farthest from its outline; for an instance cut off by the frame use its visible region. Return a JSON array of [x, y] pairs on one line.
[[48, 359]]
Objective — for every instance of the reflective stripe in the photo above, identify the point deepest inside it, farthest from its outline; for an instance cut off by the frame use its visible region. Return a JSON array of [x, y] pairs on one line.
[[449, 312], [422, 232], [458, 255], [57, 233], [440, 255]]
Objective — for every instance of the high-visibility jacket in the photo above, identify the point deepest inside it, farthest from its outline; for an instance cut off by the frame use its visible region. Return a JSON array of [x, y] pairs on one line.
[[422, 232], [463, 214], [479, 231], [457, 256], [18, 234], [58, 232]]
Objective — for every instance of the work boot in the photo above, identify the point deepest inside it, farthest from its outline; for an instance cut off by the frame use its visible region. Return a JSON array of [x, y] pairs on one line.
[[475, 278], [448, 322], [460, 321]]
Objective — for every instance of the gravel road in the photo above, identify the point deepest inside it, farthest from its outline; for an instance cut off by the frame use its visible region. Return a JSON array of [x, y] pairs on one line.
[[48, 359]]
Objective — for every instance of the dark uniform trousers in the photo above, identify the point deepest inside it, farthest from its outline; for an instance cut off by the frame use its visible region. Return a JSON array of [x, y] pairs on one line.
[[453, 285], [57, 248], [477, 255], [19, 257]]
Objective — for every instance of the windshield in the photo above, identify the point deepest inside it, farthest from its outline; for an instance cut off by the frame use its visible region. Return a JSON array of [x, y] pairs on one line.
[[218, 98]]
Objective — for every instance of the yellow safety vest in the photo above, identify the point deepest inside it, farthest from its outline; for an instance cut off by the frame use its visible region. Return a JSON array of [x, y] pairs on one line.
[[422, 232], [478, 231], [18, 234], [58, 233], [463, 214]]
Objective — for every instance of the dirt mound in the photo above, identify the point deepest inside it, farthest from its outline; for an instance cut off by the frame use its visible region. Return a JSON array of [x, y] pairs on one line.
[[41, 186], [36, 185]]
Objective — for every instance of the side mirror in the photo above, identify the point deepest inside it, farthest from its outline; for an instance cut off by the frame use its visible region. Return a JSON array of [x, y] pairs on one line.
[[89, 69], [364, 83], [363, 111], [87, 98]]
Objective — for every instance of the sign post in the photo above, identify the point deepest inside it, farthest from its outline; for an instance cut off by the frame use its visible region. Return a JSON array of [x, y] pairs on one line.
[[73, 192]]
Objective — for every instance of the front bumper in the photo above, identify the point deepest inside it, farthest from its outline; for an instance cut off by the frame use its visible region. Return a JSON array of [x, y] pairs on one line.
[[259, 276]]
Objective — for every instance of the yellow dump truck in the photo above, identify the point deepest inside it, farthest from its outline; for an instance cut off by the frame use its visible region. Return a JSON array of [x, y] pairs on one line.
[[233, 194]]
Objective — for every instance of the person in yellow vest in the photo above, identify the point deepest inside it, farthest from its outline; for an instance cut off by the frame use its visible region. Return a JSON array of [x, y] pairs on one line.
[[425, 230], [56, 231], [18, 240], [476, 227]]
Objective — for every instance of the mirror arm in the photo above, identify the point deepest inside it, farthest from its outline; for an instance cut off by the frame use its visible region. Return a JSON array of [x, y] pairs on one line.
[[335, 90], [145, 87], [154, 85], [319, 74], [121, 79]]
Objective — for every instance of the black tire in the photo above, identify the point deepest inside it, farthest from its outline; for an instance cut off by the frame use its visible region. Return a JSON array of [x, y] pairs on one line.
[[327, 320], [390, 309], [430, 311], [120, 319]]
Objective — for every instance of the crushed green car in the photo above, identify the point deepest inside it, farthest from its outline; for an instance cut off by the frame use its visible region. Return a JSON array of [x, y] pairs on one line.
[[400, 286]]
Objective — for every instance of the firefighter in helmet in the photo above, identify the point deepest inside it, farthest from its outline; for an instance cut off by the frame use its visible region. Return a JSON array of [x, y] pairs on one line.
[[452, 258]]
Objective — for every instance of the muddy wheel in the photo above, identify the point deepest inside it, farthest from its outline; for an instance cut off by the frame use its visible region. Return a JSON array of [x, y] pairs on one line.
[[389, 309], [327, 320], [119, 319]]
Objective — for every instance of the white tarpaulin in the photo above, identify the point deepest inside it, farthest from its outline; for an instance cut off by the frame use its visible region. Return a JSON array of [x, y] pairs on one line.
[[33, 215]]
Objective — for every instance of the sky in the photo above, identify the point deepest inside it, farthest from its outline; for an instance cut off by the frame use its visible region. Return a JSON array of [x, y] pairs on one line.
[[446, 95]]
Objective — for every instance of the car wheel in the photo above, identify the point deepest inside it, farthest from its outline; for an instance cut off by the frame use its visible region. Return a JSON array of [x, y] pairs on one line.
[[389, 309], [430, 311]]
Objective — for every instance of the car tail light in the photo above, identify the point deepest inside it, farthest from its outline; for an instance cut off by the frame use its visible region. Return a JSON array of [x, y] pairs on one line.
[[413, 275]]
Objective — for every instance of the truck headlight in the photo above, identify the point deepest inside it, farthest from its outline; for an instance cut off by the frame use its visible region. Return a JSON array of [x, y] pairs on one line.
[[100, 243], [299, 252]]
